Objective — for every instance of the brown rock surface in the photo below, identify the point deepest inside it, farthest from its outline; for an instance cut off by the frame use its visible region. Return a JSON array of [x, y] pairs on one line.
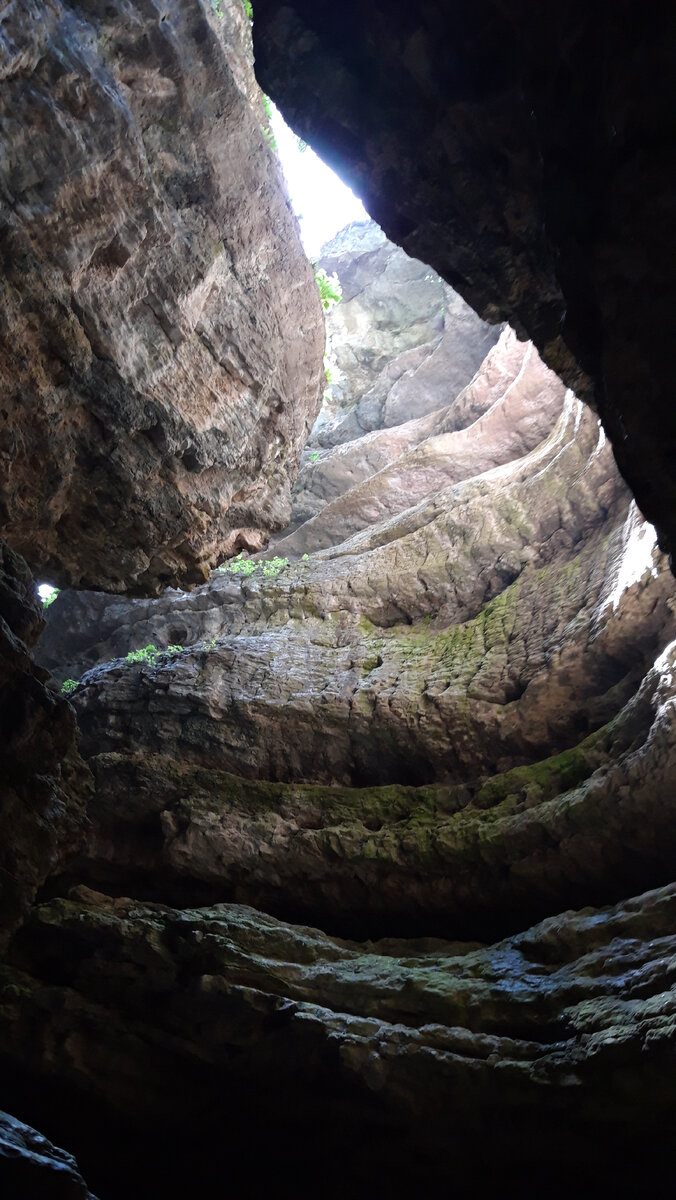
[[482, 856], [381, 474], [520, 151], [161, 334], [331, 671]]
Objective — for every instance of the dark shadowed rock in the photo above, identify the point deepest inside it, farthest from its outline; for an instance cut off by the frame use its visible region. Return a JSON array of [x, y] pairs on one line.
[[222, 1016]]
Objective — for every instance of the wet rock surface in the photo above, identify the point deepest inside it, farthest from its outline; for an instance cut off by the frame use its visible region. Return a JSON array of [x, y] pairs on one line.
[[161, 335]]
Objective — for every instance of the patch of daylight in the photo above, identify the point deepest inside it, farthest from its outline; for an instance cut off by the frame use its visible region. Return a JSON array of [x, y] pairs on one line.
[[45, 590], [601, 442], [639, 541]]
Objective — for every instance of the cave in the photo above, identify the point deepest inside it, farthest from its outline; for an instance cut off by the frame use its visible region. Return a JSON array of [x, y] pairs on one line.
[[338, 846]]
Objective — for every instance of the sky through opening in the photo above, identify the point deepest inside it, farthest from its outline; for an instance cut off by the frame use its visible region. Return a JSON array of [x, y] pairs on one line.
[[321, 201]]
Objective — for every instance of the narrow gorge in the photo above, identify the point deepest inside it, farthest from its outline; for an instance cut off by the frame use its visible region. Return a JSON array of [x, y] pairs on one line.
[[338, 779]]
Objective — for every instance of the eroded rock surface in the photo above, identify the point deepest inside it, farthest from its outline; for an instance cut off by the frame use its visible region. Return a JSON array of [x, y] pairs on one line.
[[161, 333], [400, 343], [519, 150], [459, 644], [183, 1013]]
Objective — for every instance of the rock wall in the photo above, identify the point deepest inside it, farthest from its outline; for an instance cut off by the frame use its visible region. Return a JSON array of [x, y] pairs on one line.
[[161, 335], [482, 620], [396, 317]]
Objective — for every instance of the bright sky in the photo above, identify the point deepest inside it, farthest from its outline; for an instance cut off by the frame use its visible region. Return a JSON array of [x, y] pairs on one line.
[[321, 201]]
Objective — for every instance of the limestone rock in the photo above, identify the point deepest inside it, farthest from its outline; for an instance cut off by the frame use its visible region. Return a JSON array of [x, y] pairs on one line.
[[379, 475], [161, 333], [460, 637], [585, 826]]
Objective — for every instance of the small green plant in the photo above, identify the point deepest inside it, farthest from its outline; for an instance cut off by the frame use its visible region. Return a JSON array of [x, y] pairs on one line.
[[47, 600], [150, 654], [247, 567], [248, 9], [305, 558], [330, 290], [239, 566], [272, 566], [314, 456], [68, 686], [216, 5], [204, 645], [267, 132]]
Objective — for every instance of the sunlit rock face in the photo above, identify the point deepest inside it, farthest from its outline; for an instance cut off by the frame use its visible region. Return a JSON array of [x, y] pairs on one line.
[[161, 335], [380, 853], [520, 152], [396, 318]]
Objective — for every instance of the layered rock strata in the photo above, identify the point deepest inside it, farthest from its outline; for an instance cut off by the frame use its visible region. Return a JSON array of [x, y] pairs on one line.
[[396, 319], [216, 1017], [454, 721], [161, 335], [489, 641], [519, 150]]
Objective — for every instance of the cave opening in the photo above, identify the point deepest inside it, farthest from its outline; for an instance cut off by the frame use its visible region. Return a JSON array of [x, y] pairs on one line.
[[337, 794]]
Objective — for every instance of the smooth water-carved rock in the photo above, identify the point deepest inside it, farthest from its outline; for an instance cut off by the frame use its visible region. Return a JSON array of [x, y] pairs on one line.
[[471, 634], [517, 150], [379, 475], [43, 781], [161, 333], [484, 855]]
